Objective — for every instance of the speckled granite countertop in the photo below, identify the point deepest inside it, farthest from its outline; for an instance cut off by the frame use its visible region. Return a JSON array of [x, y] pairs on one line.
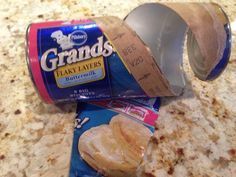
[[196, 133]]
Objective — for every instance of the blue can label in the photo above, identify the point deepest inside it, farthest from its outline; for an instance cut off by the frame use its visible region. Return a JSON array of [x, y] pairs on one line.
[[78, 63]]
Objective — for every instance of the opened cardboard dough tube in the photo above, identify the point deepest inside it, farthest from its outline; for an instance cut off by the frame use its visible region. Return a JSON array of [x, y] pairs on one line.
[[150, 43], [140, 56]]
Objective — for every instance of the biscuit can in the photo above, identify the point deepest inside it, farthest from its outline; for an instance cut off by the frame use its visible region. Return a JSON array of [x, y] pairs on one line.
[[107, 58], [73, 60]]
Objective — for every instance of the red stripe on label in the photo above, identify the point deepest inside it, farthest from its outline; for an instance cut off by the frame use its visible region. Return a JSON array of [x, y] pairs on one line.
[[35, 64]]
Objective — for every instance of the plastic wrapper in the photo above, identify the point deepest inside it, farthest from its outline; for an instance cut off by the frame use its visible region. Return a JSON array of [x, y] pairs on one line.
[[110, 137]]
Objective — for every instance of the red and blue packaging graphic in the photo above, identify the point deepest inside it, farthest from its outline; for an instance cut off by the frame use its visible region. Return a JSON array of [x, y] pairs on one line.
[[92, 116]]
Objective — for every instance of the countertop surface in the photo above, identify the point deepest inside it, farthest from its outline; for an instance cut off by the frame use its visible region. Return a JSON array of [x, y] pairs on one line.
[[195, 134]]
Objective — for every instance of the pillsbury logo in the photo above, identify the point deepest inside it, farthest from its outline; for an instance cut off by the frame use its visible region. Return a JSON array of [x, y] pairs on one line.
[[78, 37]]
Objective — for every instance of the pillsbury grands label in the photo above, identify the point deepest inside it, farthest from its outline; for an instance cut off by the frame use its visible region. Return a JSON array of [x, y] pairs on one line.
[[75, 61], [73, 66]]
